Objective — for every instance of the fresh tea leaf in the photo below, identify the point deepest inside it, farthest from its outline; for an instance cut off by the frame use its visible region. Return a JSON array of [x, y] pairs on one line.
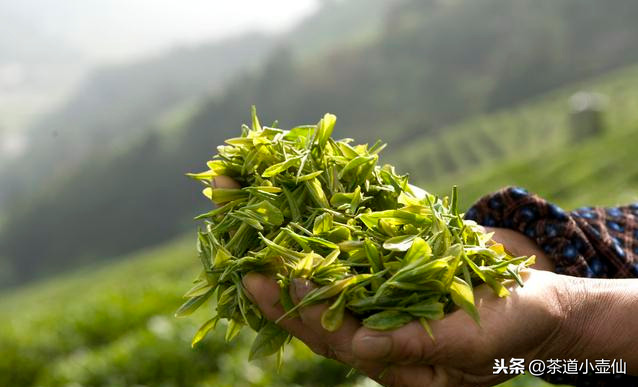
[[387, 320], [268, 341], [325, 210]]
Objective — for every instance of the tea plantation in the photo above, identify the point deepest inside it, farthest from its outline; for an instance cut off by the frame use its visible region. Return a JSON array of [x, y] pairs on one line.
[[113, 325]]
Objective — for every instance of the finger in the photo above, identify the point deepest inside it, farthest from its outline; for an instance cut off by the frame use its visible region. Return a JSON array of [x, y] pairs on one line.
[[434, 376], [264, 292], [225, 182], [519, 244], [339, 343], [455, 337], [418, 375]]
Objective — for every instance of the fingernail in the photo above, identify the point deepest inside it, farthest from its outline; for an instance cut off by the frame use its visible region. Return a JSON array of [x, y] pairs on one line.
[[247, 285], [372, 347], [301, 288]]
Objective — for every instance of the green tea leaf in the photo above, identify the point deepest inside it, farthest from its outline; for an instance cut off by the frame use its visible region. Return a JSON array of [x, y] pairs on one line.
[[428, 310], [399, 243], [323, 223], [387, 320], [463, 297], [326, 125], [332, 318], [373, 256], [276, 169], [268, 341], [316, 192], [295, 210], [356, 163], [325, 210], [338, 234], [255, 119], [332, 290], [300, 132], [223, 195], [192, 304], [310, 176], [393, 217], [203, 330], [199, 289], [265, 213], [233, 329], [418, 250]]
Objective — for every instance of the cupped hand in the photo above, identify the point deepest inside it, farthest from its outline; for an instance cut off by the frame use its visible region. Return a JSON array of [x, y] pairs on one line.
[[527, 324]]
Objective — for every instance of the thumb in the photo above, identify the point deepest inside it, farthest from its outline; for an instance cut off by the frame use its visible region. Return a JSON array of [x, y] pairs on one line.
[[225, 182]]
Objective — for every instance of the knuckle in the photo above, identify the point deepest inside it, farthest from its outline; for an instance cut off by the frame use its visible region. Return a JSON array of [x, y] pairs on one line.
[[409, 350], [325, 351], [332, 354], [389, 378], [386, 378]]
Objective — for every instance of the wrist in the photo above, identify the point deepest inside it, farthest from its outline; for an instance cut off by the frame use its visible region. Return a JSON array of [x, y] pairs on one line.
[[559, 300], [597, 320], [577, 318]]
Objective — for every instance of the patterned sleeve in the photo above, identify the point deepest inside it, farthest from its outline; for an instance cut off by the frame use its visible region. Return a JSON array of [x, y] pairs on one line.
[[587, 242]]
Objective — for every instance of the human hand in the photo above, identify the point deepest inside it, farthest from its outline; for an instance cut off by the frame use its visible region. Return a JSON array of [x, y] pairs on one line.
[[225, 182], [408, 356], [518, 244], [527, 324], [553, 316]]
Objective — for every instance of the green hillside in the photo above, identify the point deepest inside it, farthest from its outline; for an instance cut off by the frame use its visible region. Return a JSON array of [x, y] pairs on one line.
[[425, 66], [531, 145], [601, 172]]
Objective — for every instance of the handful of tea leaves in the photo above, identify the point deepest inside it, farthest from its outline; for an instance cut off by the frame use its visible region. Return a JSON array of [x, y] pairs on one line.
[[323, 209]]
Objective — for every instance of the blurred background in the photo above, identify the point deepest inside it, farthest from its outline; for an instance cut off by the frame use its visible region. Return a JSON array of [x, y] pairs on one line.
[[105, 105]]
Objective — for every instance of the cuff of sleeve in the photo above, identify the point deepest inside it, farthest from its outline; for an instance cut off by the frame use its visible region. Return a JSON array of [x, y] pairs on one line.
[[578, 243]]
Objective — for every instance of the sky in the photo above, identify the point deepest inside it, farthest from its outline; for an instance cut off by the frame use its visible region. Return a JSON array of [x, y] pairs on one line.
[[48, 46], [121, 30]]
